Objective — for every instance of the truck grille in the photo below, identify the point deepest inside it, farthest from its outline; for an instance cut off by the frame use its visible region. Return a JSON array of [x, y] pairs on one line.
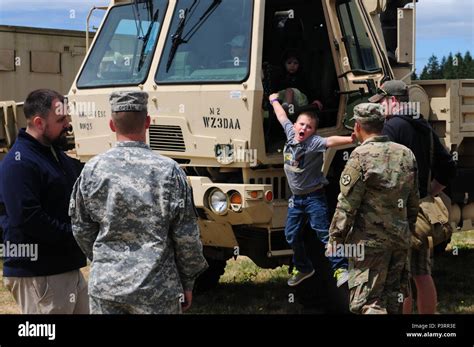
[[279, 186], [167, 138]]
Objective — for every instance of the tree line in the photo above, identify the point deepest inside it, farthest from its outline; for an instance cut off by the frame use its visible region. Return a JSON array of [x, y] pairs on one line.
[[454, 66]]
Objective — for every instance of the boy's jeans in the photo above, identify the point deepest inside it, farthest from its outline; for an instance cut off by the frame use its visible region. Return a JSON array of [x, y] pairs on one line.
[[314, 206]]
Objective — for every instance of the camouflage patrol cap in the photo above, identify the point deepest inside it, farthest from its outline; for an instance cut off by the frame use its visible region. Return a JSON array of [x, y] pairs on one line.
[[390, 88], [368, 112], [128, 101]]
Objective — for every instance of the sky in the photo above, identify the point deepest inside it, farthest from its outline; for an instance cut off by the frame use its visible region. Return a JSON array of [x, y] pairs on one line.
[[443, 26]]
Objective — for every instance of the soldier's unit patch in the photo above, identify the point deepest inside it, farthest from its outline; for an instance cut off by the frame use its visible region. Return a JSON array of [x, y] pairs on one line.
[[349, 178], [345, 180]]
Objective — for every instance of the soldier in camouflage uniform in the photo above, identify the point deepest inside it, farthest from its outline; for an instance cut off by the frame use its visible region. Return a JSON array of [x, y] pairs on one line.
[[379, 201], [133, 216]]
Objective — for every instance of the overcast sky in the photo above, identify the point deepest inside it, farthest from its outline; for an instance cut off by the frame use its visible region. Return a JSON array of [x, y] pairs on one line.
[[443, 26]]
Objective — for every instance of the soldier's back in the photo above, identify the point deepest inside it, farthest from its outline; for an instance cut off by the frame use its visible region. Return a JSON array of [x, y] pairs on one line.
[[128, 190], [388, 170], [386, 164]]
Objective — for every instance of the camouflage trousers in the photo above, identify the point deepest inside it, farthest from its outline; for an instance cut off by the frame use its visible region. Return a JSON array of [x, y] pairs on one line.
[[377, 283], [101, 306]]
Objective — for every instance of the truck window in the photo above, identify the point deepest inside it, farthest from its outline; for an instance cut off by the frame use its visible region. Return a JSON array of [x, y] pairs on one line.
[[124, 49], [208, 42], [355, 37]]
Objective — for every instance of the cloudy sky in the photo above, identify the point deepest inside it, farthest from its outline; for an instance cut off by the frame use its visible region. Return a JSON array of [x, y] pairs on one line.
[[443, 26]]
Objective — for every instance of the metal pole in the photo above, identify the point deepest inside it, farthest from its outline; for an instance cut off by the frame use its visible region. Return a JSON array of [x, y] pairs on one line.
[[87, 22], [413, 68]]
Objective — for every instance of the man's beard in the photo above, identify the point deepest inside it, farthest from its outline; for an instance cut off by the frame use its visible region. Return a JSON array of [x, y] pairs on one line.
[[61, 141]]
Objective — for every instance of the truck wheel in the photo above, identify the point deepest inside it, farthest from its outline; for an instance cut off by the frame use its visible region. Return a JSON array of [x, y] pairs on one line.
[[210, 278]]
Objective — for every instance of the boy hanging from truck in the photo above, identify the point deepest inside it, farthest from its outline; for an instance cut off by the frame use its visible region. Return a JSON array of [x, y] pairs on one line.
[[303, 160]]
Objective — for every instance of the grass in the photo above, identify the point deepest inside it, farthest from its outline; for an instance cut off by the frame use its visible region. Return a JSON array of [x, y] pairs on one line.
[[454, 276], [247, 289]]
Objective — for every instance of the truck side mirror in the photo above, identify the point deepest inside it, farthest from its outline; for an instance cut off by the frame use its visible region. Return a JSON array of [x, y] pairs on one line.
[[405, 36]]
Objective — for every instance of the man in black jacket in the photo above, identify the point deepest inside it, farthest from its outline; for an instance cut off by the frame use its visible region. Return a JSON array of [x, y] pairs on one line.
[[42, 259], [405, 125]]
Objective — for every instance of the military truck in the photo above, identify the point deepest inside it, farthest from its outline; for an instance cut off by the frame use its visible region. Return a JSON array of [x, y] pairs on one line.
[[208, 105]]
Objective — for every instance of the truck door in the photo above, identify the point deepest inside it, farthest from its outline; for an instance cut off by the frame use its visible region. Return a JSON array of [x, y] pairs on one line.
[[361, 54]]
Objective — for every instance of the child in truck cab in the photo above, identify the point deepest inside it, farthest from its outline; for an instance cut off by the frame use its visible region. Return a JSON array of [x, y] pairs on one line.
[[303, 160], [292, 86]]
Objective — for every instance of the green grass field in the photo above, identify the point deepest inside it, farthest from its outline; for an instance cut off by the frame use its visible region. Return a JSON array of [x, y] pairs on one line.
[[247, 289], [454, 276]]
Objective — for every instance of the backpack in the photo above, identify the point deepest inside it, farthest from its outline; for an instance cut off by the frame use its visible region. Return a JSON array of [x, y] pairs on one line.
[[432, 224]]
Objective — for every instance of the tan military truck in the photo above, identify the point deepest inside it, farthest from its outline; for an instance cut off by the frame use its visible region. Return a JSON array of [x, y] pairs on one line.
[[208, 100]]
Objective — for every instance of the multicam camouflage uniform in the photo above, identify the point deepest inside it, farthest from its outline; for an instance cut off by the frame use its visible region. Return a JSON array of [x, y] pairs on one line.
[[133, 216], [379, 201]]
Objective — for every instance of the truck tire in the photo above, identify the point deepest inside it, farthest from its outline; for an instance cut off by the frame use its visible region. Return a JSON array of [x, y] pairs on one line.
[[210, 278]]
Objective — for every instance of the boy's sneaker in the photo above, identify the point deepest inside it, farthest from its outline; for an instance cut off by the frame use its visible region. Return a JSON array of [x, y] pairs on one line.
[[342, 276], [299, 277]]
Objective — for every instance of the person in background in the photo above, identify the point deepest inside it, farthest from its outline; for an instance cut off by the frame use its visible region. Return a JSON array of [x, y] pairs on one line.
[[238, 50], [133, 216], [36, 180], [406, 126], [376, 212], [292, 86]]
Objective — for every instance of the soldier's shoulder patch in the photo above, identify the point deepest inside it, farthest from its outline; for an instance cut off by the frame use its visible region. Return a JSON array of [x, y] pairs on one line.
[[349, 178]]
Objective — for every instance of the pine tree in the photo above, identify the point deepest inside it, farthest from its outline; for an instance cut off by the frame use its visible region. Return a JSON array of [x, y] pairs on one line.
[[449, 68], [469, 65], [433, 69], [424, 74], [459, 66], [442, 66]]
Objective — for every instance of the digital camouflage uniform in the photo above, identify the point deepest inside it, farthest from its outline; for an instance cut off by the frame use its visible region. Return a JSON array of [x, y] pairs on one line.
[[133, 216], [377, 207]]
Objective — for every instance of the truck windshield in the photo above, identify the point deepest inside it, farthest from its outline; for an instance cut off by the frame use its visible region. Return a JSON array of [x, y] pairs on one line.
[[208, 42], [356, 38], [123, 52]]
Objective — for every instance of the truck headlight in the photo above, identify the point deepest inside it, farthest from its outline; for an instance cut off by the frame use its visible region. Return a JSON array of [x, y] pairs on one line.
[[218, 201]]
